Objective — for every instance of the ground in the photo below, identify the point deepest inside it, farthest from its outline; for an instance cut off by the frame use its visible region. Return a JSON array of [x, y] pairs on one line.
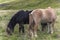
[[5, 16]]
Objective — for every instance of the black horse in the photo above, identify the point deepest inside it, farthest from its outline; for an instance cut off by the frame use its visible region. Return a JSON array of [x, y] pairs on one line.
[[21, 17]]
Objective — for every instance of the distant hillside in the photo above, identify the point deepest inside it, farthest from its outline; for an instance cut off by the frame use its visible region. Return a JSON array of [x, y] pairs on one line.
[[28, 4]]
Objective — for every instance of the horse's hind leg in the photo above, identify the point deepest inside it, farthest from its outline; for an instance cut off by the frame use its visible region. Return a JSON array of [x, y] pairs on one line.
[[21, 28]]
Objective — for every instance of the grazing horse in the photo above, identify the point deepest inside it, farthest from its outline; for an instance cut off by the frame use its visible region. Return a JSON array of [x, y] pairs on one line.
[[21, 17], [45, 17]]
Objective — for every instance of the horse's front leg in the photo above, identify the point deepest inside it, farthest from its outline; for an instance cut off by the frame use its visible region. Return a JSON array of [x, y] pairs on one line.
[[50, 28], [21, 28]]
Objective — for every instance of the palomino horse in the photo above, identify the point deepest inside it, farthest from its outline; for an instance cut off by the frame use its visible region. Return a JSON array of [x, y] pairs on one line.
[[46, 17], [21, 18]]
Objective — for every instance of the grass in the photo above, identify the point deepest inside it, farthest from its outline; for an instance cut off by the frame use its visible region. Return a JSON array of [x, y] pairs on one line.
[[6, 16], [28, 4]]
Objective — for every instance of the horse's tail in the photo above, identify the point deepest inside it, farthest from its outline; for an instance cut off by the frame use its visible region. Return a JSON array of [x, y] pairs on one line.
[[31, 21]]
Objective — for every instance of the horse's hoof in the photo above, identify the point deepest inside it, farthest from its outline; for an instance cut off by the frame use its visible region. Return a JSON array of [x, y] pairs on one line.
[[36, 36], [51, 32]]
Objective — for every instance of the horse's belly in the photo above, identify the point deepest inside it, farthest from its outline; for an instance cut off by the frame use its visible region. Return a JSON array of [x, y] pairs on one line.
[[43, 21], [46, 20]]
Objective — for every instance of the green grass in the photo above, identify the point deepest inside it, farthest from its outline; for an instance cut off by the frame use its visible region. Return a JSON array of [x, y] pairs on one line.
[[6, 16], [29, 4]]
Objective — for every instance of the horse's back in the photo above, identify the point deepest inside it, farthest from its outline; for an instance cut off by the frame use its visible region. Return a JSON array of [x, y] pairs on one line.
[[46, 15]]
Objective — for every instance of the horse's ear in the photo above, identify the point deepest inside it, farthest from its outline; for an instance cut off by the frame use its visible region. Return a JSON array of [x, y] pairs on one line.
[[26, 10], [49, 8]]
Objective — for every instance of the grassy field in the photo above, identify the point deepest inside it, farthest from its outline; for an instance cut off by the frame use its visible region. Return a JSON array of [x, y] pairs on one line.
[[28, 4], [5, 17], [6, 14]]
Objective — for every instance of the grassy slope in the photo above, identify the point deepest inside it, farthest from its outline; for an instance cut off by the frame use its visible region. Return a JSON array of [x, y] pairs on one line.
[[30, 4]]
